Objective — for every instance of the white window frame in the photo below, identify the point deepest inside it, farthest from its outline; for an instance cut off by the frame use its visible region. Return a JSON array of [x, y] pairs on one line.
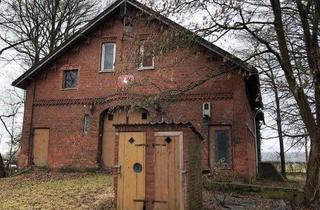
[[141, 56], [86, 123], [103, 57]]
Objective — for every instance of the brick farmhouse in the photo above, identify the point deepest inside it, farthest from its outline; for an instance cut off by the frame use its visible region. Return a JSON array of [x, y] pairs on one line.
[[131, 65]]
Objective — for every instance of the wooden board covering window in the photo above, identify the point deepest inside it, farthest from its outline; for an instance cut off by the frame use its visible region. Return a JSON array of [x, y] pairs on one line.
[[119, 117], [40, 147], [109, 137]]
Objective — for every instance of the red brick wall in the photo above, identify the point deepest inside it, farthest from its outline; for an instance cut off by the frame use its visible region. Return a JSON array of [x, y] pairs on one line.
[[62, 110]]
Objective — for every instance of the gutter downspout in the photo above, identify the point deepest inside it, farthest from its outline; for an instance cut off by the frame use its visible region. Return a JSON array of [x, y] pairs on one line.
[[31, 126]]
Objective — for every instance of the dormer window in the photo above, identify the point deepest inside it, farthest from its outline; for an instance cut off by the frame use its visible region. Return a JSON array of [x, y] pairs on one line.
[[108, 57], [146, 56]]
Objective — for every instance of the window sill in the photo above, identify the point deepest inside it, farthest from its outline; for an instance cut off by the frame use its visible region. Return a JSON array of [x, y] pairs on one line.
[[223, 167], [146, 68], [107, 71], [66, 89]]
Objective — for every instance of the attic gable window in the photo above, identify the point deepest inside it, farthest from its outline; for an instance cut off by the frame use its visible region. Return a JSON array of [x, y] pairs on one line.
[[70, 79], [108, 57], [146, 56]]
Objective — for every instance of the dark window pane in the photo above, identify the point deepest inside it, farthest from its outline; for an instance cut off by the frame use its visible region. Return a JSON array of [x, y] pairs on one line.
[[109, 59], [222, 146], [70, 78], [110, 116], [144, 115]]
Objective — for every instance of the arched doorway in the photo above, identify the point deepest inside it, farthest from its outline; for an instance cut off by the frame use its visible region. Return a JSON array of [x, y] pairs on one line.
[[118, 116]]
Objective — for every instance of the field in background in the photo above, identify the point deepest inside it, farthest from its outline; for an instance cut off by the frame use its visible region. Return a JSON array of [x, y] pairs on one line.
[[51, 190], [296, 171]]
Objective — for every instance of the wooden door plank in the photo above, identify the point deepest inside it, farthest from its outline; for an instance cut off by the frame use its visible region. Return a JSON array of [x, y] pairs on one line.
[[161, 175], [109, 137], [132, 183], [136, 118], [121, 156], [168, 165], [40, 147]]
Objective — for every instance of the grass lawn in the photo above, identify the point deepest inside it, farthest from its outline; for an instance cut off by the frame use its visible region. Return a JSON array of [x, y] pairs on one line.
[[55, 190], [52, 190]]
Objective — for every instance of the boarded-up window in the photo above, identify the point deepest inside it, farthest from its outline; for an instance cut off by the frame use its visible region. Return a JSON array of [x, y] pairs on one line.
[[146, 56], [108, 57], [222, 146], [70, 78]]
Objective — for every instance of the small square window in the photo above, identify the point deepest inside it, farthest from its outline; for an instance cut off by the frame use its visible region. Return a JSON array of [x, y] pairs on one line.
[[144, 115], [146, 56], [110, 116], [70, 79], [108, 57]]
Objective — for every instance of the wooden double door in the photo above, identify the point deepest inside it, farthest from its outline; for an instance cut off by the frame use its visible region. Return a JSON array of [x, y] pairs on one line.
[[164, 187], [118, 117]]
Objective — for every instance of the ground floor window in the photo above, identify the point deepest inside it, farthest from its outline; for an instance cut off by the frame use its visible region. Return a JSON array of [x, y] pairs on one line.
[[220, 146]]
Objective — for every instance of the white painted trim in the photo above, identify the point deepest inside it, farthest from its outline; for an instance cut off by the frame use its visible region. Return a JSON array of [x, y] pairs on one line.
[[103, 57]]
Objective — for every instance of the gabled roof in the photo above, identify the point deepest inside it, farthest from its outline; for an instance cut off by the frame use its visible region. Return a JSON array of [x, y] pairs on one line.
[[33, 71]]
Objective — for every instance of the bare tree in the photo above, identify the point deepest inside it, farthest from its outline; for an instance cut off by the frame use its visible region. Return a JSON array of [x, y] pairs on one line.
[[35, 28], [287, 30], [10, 121]]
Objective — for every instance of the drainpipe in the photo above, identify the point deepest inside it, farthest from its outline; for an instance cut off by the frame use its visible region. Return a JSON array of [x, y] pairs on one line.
[[31, 126]]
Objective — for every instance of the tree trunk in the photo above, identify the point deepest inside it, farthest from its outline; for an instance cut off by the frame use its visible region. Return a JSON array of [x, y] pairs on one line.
[[312, 187], [306, 149], [279, 125], [2, 169]]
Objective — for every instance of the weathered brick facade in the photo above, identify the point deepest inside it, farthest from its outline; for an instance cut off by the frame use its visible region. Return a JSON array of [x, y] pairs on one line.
[[232, 94]]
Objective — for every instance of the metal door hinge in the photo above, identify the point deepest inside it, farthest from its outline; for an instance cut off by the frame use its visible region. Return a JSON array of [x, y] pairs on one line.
[[140, 200], [159, 201], [141, 145], [159, 145]]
